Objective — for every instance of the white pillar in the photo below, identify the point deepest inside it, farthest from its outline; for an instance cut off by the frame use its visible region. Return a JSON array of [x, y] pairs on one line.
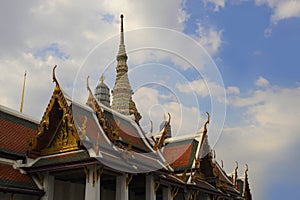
[[121, 188], [92, 183], [150, 193], [48, 185], [167, 193]]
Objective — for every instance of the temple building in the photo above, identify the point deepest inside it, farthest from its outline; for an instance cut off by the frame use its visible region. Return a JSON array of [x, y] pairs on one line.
[[98, 150]]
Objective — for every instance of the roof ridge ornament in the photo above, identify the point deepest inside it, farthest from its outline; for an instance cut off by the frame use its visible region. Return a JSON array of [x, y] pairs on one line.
[[207, 122], [87, 85], [237, 166], [53, 75], [247, 169], [159, 142], [236, 173], [204, 135]]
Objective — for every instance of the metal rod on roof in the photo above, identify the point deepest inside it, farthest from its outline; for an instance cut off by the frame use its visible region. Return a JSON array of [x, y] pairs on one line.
[[23, 91]]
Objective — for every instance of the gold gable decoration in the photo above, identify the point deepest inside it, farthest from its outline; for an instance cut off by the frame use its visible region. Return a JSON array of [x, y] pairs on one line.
[[159, 142], [63, 140], [55, 135], [113, 135], [197, 174]]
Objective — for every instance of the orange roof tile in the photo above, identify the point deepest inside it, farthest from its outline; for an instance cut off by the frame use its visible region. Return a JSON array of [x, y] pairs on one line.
[[13, 178], [15, 132]]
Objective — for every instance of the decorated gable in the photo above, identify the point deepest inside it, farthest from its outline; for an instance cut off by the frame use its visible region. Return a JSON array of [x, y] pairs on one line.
[[56, 132]]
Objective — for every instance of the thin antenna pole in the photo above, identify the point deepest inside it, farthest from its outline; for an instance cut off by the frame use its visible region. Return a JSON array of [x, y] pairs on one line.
[[23, 91]]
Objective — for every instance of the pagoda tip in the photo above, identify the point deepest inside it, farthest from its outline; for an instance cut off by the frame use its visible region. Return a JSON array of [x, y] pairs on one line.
[[122, 16]]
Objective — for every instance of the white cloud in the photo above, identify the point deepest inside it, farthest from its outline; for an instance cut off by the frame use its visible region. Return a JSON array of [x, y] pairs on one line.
[[201, 88], [232, 90], [282, 9], [210, 38], [217, 3], [184, 119], [262, 82], [267, 129]]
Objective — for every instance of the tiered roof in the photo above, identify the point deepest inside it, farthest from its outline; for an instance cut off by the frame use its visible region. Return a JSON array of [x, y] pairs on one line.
[[15, 132]]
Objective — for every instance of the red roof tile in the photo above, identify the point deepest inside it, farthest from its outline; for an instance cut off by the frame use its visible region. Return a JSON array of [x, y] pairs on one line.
[[128, 132], [9, 173], [180, 154], [9, 177], [14, 136]]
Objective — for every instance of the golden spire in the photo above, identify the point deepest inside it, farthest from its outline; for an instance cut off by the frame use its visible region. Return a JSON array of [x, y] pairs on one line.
[[102, 78], [23, 91]]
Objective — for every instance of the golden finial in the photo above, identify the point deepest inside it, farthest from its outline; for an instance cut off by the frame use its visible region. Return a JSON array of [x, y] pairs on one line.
[[102, 78], [237, 166], [207, 122], [169, 120], [160, 141], [23, 91], [87, 85], [53, 75]]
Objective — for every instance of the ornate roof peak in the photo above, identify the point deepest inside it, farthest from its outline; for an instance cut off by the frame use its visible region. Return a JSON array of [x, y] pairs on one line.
[[122, 92]]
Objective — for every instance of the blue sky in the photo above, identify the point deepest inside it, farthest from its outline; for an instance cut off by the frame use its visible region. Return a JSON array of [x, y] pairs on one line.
[[254, 43]]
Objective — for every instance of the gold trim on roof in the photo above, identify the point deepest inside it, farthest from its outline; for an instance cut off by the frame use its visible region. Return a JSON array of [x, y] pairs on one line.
[[247, 169], [64, 137], [159, 142], [113, 135]]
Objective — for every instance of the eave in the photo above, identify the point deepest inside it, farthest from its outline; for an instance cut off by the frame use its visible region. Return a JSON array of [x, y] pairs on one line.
[[22, 191]]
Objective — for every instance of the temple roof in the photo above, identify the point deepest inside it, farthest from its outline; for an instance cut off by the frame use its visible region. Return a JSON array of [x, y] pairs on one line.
[[15, 132], [180, 154], [109, 137], [11, 178]]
